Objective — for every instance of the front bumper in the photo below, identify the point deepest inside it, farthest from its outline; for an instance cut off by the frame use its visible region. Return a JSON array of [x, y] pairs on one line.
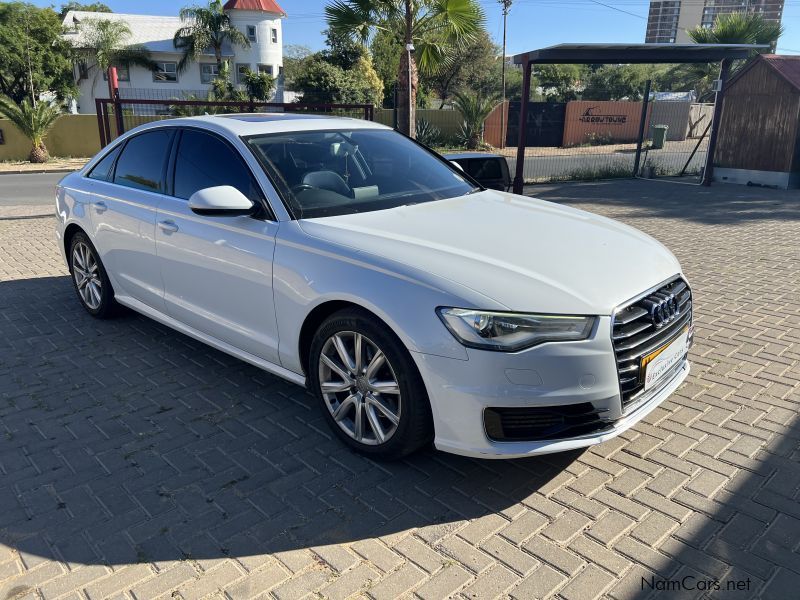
[[553, 374]]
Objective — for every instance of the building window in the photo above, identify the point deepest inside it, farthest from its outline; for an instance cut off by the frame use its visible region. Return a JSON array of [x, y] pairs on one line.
[[251, 33], [166, 72], [265, 69], [208, 72], [242, 69], [83, 70], [274, 33], [123, 74]]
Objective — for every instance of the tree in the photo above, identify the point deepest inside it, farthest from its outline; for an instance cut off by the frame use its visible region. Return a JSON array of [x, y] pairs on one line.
[[33, 121], [467, 68], [293, 56], [731, 28], [434, 27], [386, 51], [474, 109], [370, 83], [103, 45], [206, 27], [92, 7], [33, 55], [222, 89], [342, 50], [559, 82], [739, 28], [258, 86], [323, 82], [686, 77], [616, 82]]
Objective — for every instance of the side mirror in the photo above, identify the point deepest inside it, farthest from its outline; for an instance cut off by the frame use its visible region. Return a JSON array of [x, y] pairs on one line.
[[456, 165], [220, 201]]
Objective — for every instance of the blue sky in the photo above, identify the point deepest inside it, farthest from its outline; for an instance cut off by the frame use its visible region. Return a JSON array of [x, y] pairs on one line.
[[531, 24]]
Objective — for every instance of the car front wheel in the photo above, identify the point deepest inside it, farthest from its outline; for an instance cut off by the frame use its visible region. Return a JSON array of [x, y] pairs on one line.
[[368, 385]]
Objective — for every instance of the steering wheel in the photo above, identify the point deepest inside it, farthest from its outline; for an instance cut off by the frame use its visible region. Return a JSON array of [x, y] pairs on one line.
[[301, 187]]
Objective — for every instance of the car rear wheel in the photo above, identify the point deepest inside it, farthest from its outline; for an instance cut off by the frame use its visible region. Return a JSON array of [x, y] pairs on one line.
[[368, 386], [90, 278]]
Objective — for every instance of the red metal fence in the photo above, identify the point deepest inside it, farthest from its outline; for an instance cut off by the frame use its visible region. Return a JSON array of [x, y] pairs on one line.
[[129, 112]]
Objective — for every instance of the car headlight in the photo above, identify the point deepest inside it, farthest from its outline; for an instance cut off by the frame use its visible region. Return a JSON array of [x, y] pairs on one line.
[[509, 332]]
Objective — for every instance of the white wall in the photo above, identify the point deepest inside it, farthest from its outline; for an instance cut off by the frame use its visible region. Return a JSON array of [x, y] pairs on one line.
[[142, 79], [263, 51]]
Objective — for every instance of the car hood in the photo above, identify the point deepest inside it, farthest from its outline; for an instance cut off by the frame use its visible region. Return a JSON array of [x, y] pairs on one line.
[[526, 254]]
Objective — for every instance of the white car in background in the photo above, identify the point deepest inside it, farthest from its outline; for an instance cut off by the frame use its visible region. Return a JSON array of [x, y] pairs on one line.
[[414, 304]]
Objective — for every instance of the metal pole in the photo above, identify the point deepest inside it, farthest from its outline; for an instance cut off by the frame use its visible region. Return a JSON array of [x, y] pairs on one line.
[[113, 90], [412, 129], [504, 109], [642, 120], [519, 179], [98, 108], [708, 171]]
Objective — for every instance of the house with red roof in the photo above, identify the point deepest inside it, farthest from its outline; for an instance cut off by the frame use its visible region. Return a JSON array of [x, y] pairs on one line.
[[259, 20]]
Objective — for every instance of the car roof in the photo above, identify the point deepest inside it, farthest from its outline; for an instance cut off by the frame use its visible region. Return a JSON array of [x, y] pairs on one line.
[[460, 155], [245, 124]]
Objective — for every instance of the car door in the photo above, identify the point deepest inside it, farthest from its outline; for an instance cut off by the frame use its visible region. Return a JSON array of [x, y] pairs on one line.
[[126, 188], [217, 270]]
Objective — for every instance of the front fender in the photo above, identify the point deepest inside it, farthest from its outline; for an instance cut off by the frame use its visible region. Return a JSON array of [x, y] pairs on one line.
[[308, 272]]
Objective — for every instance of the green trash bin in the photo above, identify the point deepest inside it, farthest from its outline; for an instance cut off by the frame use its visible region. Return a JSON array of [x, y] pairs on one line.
[[659, 136]]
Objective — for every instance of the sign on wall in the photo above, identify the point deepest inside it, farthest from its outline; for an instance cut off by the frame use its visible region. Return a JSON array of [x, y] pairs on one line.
[[612, 121]]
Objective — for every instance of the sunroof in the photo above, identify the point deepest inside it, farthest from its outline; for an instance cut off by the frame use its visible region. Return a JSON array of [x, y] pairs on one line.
[[273, 117]]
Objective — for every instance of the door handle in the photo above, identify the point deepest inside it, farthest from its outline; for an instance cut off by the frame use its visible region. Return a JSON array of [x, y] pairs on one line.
[[100, 206], [168, 226]]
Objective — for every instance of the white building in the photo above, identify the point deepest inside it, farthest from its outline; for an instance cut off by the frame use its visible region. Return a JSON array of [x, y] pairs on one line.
[[259, 20]]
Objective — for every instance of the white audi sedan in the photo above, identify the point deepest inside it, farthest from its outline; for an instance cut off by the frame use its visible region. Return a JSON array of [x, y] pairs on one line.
[[415, 305]]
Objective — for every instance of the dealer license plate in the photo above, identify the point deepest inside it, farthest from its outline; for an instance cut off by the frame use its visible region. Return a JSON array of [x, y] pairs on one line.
[[659, 362]]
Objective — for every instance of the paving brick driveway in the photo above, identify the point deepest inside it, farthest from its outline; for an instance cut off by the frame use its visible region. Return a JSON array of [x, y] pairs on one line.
[[137, 463]]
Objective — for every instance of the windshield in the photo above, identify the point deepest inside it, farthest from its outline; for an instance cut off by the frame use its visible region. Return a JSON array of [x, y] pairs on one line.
[[326, 173]]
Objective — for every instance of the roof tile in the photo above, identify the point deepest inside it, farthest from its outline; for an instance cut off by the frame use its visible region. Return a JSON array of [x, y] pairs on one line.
[[265, 5]]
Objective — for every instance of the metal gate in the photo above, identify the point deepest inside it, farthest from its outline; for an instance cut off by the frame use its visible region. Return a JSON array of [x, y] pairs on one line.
[[545, 126], [117, 115]]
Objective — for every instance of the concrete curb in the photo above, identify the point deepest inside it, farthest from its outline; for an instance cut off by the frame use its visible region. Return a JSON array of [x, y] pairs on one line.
[[24, 211], [37, 171]]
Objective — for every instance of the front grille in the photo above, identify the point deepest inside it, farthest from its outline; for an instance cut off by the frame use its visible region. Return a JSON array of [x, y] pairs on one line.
[[636, 334], [535, 423]]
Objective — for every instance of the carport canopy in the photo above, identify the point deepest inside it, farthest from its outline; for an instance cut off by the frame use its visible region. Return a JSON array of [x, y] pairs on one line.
[[594, 54]]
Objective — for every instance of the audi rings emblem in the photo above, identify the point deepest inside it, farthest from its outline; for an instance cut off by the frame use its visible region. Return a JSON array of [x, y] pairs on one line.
[[661, 308]]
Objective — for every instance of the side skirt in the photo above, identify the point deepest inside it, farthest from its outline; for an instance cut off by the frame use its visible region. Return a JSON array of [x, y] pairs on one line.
[[147, 311]]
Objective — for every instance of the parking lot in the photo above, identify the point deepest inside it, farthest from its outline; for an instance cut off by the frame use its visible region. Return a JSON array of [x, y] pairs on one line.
[[138, 463]]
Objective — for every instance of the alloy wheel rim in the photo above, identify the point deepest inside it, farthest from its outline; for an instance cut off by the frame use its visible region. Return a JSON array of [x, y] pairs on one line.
[[86, 272], [359, 387]]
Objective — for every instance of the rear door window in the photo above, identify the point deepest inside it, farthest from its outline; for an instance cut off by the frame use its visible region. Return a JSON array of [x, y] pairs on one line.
[[141, 165]]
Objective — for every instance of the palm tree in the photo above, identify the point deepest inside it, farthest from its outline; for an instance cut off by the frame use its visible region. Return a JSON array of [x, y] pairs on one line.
[[739, 28], [730, 28], [433, 27], [103, 41], [33, 121], [206, 28], [474, 109]]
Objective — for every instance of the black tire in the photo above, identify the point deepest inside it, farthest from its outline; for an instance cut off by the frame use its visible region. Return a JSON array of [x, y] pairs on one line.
[[107, 306], [415, 427]]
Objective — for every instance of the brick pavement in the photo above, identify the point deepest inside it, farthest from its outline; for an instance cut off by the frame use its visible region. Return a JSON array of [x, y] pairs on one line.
[[138, 463]]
